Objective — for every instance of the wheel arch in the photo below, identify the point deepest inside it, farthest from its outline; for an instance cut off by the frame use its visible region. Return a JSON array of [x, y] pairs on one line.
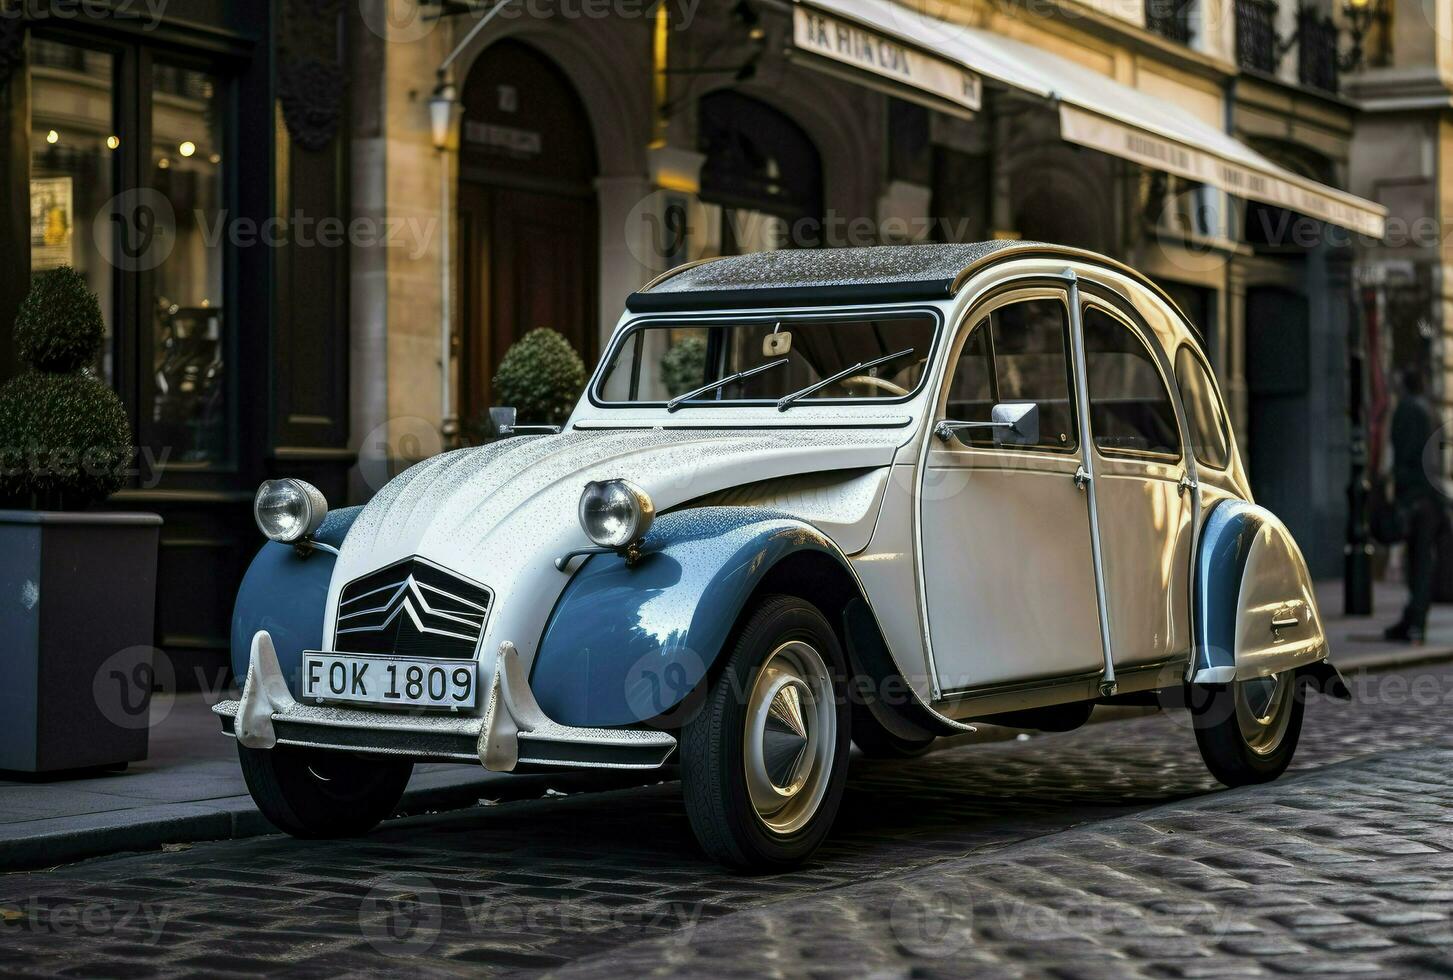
[[1255, 607], [618, 650], [285, 592]]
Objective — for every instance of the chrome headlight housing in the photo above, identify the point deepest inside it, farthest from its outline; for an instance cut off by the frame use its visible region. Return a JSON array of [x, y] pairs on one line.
[[288, 510], [615, 513]]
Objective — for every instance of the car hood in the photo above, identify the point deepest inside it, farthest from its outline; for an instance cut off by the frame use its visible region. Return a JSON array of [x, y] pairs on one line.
[[500, 514]]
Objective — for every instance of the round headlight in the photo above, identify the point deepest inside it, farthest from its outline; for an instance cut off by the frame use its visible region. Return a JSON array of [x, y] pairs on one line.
[[615, 513], [288, 510]]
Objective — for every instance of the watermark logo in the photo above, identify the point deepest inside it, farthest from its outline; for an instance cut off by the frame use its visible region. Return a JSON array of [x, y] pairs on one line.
[[666, 687], [932, 923], [148, 12], [136, 230], [394, 446], [402, 916], [398, 20], [135, 688]]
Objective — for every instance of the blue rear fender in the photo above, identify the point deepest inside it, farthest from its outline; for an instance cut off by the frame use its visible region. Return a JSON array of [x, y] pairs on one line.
[[286, 594], [626, 644]]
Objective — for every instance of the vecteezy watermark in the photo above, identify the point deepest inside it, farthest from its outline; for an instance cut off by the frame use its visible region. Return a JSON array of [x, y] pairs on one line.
[[933, 923], [135, 688], [666, 228], [411, 20], [394, 446], [404, 916], [148, 12], [301, 230], [142, 921], [136, 230], [59, 463], [941, 921]]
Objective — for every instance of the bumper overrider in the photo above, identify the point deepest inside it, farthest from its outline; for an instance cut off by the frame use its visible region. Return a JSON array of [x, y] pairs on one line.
[[513, 731]]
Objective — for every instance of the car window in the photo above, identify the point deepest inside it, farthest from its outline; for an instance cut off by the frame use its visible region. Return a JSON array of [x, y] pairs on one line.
[[971, 390], [661, 360], [1130, 407], [1030, 340], [1203, 411]]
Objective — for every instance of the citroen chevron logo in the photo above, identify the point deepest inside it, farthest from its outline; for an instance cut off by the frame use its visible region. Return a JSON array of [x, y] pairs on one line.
[[407, 602], [412, 598]]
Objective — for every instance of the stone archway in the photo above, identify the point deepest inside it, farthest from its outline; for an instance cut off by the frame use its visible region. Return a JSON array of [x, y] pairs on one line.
[[527, 213]]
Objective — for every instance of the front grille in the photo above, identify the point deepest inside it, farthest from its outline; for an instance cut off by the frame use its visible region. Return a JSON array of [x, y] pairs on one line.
[[412, 608]]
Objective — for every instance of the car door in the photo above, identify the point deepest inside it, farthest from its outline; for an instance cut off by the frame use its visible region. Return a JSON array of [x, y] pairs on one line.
[[1144, 489], [1004, 534]]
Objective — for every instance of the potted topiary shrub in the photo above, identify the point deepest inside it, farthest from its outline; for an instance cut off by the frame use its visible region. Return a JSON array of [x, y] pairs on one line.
[[541, 378], [79, 585]]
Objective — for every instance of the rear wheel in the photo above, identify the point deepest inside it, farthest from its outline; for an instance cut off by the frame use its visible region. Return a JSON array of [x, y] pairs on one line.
[[764, 762], [317, 794], [1248, 730]]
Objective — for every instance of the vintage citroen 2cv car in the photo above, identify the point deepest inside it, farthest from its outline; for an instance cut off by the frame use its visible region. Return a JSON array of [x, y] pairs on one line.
[[808, 496]]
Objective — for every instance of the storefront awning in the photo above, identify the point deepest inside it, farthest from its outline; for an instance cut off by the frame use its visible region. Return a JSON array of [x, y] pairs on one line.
[[885, 40]]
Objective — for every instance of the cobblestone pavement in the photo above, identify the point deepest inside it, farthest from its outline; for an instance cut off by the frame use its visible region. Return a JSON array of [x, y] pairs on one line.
[[1097, 852]]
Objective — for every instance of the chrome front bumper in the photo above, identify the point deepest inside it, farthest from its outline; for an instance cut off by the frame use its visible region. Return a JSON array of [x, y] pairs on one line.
[[513, 732]]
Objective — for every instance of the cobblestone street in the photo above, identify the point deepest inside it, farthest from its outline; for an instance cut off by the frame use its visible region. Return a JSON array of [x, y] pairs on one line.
[[1107, 851]]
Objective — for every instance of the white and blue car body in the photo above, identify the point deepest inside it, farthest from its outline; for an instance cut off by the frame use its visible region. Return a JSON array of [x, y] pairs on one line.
[[808, 497]]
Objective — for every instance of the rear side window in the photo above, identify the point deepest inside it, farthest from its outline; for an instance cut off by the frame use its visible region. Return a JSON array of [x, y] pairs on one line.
[[1130, 407], [1203, 411]]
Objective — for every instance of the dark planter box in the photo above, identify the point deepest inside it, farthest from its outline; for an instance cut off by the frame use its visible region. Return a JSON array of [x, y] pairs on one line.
[[77, 602]]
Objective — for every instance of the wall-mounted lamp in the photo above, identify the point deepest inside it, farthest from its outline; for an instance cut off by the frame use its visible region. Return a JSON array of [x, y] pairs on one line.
[[1360, 17], [441, 113]]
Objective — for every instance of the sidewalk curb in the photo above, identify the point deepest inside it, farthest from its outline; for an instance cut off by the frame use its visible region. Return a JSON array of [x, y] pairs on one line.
[[50, 842]]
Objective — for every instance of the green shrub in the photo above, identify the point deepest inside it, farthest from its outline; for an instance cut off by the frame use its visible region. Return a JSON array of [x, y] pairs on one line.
[[541, 376], [64, 437], [59, 325], [683, 366]]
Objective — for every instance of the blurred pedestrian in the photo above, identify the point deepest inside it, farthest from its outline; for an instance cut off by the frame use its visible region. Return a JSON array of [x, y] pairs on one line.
[[1418, 502]]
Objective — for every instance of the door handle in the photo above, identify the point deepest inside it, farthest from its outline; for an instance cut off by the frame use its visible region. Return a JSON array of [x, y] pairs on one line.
[[1082, 478], [1186, 483]]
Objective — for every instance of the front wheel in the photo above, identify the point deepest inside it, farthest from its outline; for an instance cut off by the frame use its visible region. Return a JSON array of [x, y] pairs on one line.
[[317, 794], [764, 762], [1248, 730]]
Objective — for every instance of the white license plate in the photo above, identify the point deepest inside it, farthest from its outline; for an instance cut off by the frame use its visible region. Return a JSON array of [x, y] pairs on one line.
[[388, 680]]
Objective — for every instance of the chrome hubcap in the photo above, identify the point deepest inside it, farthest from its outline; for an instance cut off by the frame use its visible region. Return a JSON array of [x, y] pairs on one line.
[[791, 735], [1263, 710]]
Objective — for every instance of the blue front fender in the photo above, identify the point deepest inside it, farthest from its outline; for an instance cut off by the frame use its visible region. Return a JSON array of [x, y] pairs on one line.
[[628, 643], [287, 594]]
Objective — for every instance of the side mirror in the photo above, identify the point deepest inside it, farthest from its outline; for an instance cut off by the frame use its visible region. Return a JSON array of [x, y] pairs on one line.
[[502, 420], [1016, 423]]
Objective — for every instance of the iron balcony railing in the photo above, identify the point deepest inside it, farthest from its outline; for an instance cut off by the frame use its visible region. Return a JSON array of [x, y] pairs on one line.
[[1170, 19], [1256, 41], [1316, 50]]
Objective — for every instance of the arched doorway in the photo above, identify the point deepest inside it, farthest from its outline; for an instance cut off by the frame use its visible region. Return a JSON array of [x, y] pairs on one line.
[[761, 180], [527, 214]]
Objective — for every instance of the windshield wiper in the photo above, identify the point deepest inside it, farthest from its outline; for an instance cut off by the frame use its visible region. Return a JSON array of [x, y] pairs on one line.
[[676, 402], [785, 402]]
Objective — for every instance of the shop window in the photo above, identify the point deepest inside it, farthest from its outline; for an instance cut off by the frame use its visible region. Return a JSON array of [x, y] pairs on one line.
[[140, 209], [189, 320], [74, 146]]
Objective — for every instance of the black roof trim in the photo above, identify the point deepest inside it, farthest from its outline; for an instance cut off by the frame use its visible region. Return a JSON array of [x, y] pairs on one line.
[[852, 294]]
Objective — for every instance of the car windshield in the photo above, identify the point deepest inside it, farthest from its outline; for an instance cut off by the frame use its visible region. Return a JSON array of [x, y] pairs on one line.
[[769, 359]]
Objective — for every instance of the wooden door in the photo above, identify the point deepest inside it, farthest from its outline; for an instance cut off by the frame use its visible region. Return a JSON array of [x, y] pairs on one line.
[[529, 262]]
